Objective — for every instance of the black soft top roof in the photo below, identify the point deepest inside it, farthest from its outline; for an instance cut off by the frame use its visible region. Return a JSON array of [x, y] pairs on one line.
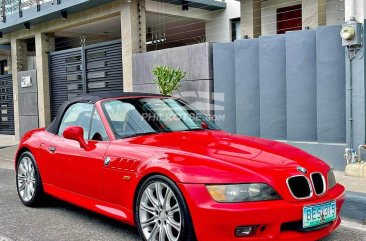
[[92, 98]]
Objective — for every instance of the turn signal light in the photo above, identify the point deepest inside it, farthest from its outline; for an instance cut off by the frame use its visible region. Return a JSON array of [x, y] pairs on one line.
[[245, 231]]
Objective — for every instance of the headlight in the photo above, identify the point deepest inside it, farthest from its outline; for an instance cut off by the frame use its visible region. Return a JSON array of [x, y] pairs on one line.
[[331, 179], [242, 192]]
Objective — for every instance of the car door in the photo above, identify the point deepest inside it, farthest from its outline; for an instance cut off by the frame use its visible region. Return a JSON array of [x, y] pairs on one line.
[[78, 169], [124, 120]]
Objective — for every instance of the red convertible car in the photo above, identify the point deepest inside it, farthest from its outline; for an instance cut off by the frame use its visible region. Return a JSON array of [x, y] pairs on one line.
[[154, 162]]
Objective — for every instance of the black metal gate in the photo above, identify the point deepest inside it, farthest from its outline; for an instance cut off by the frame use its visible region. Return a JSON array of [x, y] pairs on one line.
[[6, 105], [88, 69]]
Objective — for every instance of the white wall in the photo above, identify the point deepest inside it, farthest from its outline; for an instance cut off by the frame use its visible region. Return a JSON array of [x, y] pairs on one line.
[[335, 13], [219, 28]]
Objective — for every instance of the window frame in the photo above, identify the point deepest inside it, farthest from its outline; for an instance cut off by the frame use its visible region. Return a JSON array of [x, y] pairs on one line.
[[282, 11], [234, 31], [94, 108]]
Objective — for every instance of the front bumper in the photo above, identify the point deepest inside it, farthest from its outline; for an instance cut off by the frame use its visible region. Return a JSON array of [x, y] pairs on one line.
[[217, 221]]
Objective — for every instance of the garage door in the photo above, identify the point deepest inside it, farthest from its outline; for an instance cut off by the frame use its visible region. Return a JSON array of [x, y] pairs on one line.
[[6, 105], [88, 69]]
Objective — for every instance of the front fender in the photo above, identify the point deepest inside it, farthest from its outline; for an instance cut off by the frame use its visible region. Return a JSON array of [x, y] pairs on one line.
[[30, 141]]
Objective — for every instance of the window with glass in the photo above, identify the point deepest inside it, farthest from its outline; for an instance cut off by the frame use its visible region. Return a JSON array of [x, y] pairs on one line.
[[235, 29], [132, 117], [97, 130], [78, 114], [85, 116]]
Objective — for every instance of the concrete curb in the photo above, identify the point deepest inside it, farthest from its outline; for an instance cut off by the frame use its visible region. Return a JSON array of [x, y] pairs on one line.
[[356, 170]]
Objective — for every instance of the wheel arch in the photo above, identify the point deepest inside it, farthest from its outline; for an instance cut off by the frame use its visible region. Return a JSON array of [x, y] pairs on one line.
[[19, 153]]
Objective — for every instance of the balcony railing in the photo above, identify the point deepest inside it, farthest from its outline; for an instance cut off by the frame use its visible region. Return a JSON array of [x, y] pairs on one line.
[[11, 7]]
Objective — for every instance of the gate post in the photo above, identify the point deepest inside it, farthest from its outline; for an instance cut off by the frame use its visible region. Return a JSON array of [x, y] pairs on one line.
[[18, 63], [133, 31], [45, 43]]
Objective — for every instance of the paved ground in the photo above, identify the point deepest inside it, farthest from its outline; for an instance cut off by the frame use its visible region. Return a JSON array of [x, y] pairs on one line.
[[353, 184], [7, 140], [61, 221]]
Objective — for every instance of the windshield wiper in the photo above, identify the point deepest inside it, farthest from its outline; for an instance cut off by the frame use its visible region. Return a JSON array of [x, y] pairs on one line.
[[139, 134], [195, 129]]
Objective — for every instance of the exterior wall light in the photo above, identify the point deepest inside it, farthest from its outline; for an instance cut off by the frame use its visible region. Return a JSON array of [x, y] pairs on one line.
[[185, 5], [27, 26], [63, 15]]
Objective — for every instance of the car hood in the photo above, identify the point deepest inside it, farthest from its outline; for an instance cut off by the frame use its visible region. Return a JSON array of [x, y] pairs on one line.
[[248, 152]]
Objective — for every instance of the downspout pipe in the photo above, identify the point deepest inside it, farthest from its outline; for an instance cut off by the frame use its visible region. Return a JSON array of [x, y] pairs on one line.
[[350, 105], [350, 76]]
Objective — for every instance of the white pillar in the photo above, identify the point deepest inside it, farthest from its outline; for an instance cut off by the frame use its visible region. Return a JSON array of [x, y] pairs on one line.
[[45, 43], [251, 19], [314, 13], [133, 31], [354, 8]]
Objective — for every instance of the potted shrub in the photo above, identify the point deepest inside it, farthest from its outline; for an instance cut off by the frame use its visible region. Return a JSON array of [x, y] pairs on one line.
[[168, 78]]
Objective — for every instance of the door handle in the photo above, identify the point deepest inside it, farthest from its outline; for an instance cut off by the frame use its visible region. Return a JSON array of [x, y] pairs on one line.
[[52, 149]]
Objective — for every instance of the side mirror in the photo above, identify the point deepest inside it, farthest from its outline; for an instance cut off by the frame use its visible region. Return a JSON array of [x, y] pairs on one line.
[[204, 125], [75, 133]]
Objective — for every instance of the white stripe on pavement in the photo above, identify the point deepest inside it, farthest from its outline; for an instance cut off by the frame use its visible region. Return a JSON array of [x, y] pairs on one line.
[[353, 225], [4, 238]]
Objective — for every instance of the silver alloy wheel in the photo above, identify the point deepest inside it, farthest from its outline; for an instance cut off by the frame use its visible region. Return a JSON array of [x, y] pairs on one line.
[[26, 179], [159, 213]]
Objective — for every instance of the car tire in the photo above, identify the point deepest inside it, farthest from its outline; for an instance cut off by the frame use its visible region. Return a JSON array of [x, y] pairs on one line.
[[166, 214], [28, 180]]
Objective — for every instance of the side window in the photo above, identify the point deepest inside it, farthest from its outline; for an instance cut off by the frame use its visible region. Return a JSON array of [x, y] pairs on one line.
[[78, 114], [97, 131]]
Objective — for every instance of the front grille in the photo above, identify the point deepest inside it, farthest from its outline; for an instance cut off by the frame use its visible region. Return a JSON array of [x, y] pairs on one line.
[[318, 183], [299, 187]]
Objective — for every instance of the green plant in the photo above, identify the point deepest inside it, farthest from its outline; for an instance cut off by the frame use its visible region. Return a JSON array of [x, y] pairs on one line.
[[167, 78]]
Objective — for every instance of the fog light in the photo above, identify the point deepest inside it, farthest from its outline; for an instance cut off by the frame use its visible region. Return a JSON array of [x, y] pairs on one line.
[[244, 231]]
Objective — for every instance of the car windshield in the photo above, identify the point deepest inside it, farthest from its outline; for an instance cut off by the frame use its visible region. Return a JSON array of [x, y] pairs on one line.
[[142, 116]]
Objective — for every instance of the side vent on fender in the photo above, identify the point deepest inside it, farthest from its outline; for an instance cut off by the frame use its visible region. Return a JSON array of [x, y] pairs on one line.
[[125, 164]]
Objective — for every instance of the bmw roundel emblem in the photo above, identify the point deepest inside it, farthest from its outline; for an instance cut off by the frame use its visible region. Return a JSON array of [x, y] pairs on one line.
[[302, 169], [107, 160]]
